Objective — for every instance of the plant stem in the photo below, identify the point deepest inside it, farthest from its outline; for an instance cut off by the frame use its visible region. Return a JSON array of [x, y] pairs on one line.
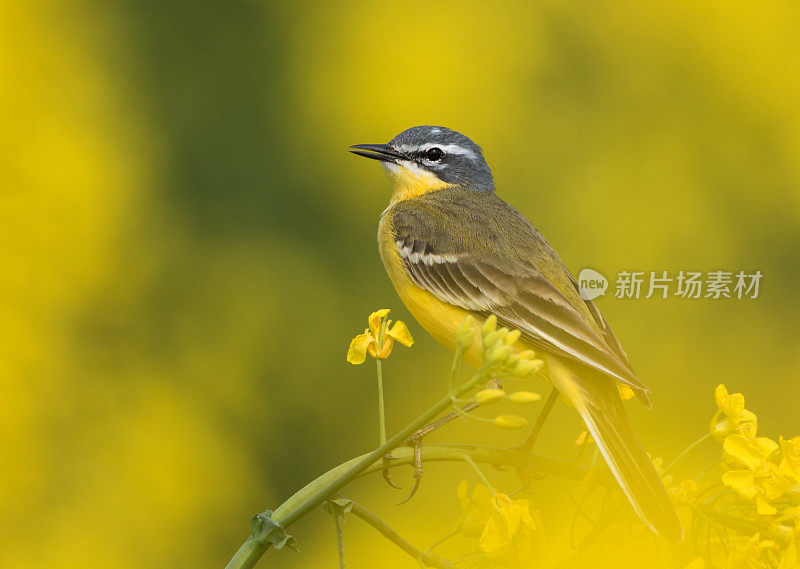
[[441, 540], [337, 522], [381, 412], [428, 559], [481, 475], [252, 550], [455, 368], [687, 450]]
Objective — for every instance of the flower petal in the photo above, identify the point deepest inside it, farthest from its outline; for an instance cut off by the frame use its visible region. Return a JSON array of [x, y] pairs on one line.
[[765, 508], [400, 333], [375, 320], [625, 391], [742, 481], [721, 395], [357, 352], [743, 449], [386, 349]]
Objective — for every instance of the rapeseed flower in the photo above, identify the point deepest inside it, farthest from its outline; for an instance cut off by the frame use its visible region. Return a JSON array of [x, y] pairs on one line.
[[508, 532], [760, 481], [378, 339], [737, 418], [475, 509]]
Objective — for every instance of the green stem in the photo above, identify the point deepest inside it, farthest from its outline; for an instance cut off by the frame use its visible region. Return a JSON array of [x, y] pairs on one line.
[[481, 475], [441, 540], [687, 450], [428, 559], [337, 522], [381, 411], [739, 524], [455, 368], [286, 514], [318, 491]]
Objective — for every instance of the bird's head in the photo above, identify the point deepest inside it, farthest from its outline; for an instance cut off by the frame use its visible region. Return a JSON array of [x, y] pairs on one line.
[[423, 159]]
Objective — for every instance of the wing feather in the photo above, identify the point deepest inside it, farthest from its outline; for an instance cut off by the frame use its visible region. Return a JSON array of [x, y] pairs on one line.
[[519, 294]]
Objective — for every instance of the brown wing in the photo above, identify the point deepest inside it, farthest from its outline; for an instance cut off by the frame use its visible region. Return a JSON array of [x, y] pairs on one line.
[[496, 279]]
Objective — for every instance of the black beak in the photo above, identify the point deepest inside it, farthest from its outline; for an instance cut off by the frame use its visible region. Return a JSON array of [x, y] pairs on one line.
[[382, 152]]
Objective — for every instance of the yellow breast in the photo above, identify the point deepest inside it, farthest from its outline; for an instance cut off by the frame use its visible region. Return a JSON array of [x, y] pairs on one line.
[[440, 319]]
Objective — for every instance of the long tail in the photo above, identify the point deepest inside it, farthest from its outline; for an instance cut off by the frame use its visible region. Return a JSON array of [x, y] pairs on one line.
[[597, 400]]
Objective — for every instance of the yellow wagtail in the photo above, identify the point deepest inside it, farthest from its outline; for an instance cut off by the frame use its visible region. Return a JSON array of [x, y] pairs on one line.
[[453, 248]]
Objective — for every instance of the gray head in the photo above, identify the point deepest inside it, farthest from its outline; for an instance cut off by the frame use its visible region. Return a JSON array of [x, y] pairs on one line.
[[433, 154]]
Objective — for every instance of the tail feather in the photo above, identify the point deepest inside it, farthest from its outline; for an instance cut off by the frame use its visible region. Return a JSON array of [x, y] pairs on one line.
[[599, 404]]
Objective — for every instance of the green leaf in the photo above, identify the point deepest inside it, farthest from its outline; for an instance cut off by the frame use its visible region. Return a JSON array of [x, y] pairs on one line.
[[266, 530], [338, 507]]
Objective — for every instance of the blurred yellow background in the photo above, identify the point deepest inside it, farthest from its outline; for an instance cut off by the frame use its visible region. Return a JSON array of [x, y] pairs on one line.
[[187, 247]]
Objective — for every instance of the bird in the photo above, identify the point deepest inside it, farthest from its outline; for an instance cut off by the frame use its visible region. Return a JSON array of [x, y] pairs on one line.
[[453, 248]]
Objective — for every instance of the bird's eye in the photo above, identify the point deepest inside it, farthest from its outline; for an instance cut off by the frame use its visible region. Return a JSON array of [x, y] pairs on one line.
[[434, 154]]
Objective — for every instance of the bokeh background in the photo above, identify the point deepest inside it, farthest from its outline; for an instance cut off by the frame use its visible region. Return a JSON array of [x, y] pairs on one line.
[[187, 247]]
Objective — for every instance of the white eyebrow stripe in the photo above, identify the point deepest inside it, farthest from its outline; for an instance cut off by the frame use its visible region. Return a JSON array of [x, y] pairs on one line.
[[447, 148], [450, 149]]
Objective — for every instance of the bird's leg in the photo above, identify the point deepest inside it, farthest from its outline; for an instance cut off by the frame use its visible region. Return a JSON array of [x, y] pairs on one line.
[[415, 440], [387, 474], [527, 445], [417, 470]]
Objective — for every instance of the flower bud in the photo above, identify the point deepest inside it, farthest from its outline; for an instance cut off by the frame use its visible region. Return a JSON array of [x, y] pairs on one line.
[[500, 354], [464, 335], [486, 396], [489, 325], [490, 338], [510, 421], [512, 337], [524, 397], [526, 368], [497, 345], [527, 355]]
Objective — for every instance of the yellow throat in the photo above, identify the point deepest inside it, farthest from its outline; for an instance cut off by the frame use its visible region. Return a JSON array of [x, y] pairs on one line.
[[409, 180]]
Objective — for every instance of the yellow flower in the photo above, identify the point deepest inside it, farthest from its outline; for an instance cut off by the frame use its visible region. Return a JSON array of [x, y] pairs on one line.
[[748, 552], [378, 340], [787, 525], [737, 418], [760, 482], [625, 391], [790, 464], [683, 496], [475, 511], [685, 492], [789, 559], [509, 531]]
